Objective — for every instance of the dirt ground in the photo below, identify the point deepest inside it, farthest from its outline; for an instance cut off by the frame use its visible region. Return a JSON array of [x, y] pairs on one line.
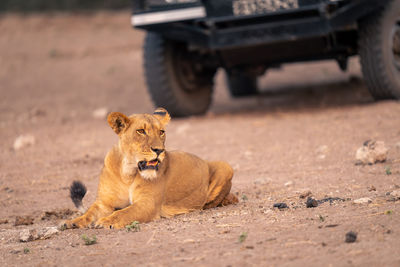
[[301, 134]]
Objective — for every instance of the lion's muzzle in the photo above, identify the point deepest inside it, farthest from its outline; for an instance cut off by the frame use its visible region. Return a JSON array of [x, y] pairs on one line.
[[148, 165]]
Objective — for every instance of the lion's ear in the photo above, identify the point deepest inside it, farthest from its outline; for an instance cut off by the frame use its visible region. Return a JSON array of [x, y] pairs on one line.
[[118, 122], [162, 115]]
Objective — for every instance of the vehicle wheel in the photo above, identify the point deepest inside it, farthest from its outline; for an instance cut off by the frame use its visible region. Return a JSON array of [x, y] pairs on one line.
[[379, 49], [241, 84], [175, 77]]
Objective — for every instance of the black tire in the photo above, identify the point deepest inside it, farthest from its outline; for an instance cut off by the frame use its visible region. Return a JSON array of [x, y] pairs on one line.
[[175, 80], [241, 84], [379, 49]]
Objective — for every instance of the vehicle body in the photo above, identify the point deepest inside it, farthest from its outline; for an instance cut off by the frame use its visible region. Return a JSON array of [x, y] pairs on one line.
[[188, 40]]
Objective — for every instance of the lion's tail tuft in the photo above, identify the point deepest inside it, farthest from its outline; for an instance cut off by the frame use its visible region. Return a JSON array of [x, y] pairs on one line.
[[77, 191]]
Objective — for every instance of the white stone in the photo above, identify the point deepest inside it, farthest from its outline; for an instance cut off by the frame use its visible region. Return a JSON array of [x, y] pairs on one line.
[[363, 200], [27, 235], [47, 232], [398, 145], [289, 183], [24, 141], [322, 149], [371, 152], [261, 180], [395, 193]]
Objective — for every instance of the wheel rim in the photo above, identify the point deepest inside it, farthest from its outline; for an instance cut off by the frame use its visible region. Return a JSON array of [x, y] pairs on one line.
[[190, 74], [185, 72], [395, 44]]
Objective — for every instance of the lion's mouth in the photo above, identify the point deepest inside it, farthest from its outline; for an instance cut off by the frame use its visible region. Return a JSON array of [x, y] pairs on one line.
[[148, 165]]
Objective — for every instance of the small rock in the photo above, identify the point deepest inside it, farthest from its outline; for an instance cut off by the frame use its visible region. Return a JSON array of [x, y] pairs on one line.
[[248, 154], [27, 235], [395, 193], [363, 200], [47, 232], [26, 220], [289, 183], [8, 190], [24, 141], [305, 194], [331, 200], [266, 211], [371, 188], [57, 214], [261, 181], [3, 221], [397, 145], [371, 152], [311, 203], [100, 113], [322, 149], [281, 205], [331, 225], [351, 237]]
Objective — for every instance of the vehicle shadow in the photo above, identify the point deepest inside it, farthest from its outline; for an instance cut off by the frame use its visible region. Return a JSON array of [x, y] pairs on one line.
[[298, 98]]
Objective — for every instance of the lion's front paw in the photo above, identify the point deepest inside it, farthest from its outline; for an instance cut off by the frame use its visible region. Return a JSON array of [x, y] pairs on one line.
[[110, 222], [80, 222]]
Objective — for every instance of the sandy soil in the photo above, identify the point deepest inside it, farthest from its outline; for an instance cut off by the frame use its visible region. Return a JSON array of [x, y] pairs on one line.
[[302, 134]]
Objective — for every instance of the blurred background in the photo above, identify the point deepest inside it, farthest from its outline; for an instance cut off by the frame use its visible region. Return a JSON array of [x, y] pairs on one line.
[[84, 55], [61, 5]]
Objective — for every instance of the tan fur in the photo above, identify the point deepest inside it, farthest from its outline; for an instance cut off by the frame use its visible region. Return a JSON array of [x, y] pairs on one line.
[[182, 183]]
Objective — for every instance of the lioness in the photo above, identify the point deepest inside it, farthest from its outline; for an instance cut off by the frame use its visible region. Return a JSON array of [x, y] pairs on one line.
[[141, 181]]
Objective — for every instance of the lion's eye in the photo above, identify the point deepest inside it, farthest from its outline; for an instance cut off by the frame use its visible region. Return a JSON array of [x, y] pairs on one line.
[[141, 131], [162, 133]]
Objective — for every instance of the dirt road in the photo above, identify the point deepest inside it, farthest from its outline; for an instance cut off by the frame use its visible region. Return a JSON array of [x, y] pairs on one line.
[[301, 135]]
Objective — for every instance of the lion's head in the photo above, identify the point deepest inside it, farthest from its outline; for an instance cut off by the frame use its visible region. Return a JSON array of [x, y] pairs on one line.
[[141, 141]]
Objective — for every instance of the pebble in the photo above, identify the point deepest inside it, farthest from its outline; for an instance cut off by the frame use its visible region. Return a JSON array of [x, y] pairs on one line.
[[321, 151], [351, 237], [371, 188], [24, 140], [289, 183], [371, 152], [23, 220], [395, 193], [28, 235], [261, 181], [363, 200], [281, 205], [311, 203], [305, 194], [398, 145], [331, 200]]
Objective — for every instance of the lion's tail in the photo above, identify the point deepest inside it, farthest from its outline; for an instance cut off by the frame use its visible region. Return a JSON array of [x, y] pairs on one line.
[[77, 191]]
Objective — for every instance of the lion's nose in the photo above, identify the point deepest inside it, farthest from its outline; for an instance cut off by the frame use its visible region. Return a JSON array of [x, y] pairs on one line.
[[158, 151]]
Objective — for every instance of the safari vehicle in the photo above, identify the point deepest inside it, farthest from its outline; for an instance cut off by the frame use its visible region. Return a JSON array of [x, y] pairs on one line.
[[188, 40]]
